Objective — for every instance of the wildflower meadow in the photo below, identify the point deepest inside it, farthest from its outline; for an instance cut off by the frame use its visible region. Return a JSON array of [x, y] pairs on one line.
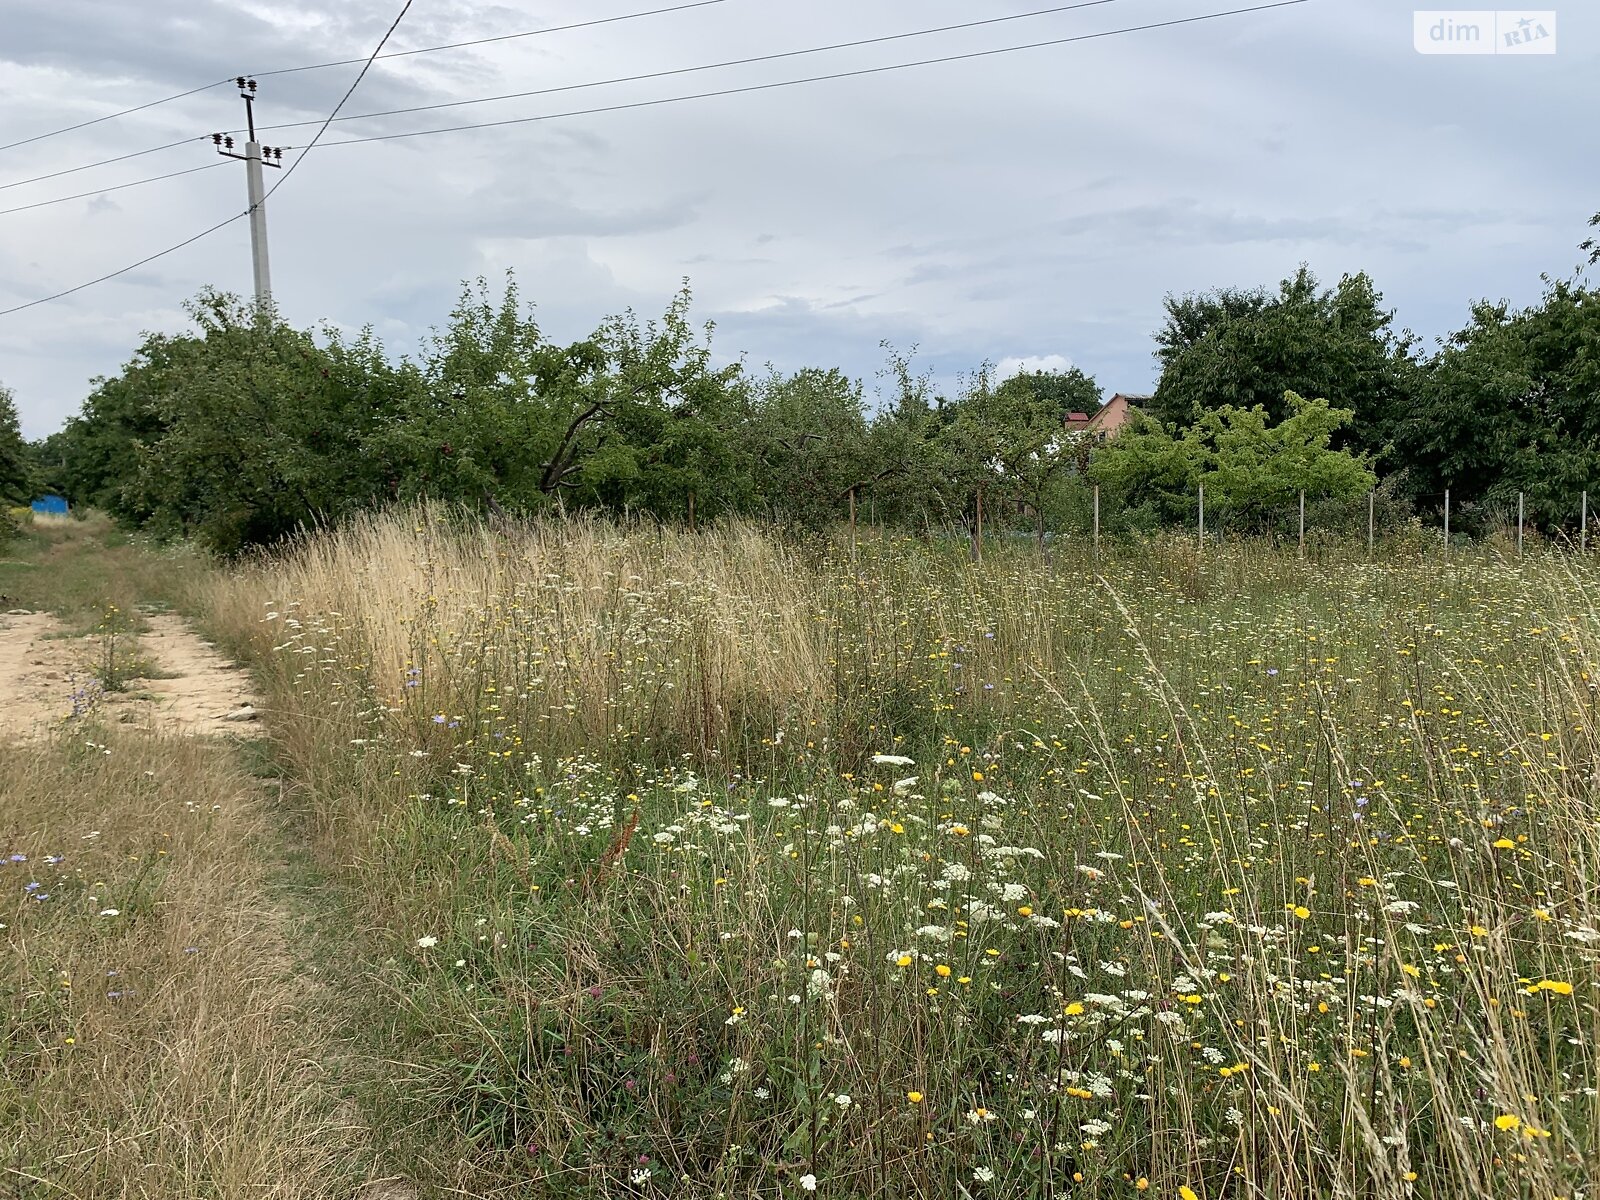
[[711, 864]]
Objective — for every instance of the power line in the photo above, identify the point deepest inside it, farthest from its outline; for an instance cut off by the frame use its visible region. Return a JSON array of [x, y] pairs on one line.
[[733, 62], [504, 37], [115, 188], [570, 87], [204, 233], [239, 216], [855, 74], [104, 162], [787, 54], [39, 137], [762, 58], [343, 100], [858, 73]]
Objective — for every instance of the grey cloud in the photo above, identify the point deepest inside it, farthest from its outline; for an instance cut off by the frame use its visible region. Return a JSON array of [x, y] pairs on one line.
[[1018, 206]]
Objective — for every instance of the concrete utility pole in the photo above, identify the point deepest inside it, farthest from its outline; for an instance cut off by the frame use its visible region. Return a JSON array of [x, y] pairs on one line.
[[255, 157]]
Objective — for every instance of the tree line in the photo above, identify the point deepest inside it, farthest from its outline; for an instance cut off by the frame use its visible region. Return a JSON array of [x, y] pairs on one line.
[[245, 429]]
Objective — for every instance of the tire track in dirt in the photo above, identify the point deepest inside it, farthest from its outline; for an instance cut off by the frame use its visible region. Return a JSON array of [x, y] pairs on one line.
[[206, 693]]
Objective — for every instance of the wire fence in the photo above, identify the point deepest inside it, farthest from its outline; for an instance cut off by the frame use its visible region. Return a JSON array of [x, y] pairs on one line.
[[1308, 524]]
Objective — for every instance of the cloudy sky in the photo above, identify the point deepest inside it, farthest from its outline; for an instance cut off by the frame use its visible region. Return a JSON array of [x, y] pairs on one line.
[[1032, 206]]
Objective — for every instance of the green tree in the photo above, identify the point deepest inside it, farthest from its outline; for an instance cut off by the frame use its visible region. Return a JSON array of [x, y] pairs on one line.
[[472, 426], [913, 478], [1253, 468], [1149, 473], [16, 468], [808, 434], [1051, 397], [47, 459], [1511, 403], [1248, 348], [640, 418], [263, 431], [100, 448], [1018, 433]]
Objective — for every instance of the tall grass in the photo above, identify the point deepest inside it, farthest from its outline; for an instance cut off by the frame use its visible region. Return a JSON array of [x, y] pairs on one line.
[[162, 1032], [608, 635], [152, 1039], [709, 865]]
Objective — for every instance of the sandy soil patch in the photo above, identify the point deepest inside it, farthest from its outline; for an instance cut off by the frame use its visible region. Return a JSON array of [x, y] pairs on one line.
[[43, 674], [37, 668], [206, 692]]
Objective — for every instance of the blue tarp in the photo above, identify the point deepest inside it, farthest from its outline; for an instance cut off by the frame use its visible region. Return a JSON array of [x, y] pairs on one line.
[[50, 504]]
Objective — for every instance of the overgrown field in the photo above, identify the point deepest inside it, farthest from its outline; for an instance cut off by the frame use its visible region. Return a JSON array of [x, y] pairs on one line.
[[157, 1035], [713, 866]]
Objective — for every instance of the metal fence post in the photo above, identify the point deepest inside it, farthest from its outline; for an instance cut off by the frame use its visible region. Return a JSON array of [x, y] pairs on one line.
[[1372, 498], [1202, 516], [1302, 523], [1097, 522], [1447, 522], [852, 525], [1521, 516]]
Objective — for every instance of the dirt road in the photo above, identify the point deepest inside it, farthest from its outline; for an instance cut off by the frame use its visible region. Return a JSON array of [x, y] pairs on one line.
[[47, 676]]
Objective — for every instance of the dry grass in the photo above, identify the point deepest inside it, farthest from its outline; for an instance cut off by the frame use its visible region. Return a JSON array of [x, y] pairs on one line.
[[79, 567], [160, 1033], [606, 630], [163, 1048]]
